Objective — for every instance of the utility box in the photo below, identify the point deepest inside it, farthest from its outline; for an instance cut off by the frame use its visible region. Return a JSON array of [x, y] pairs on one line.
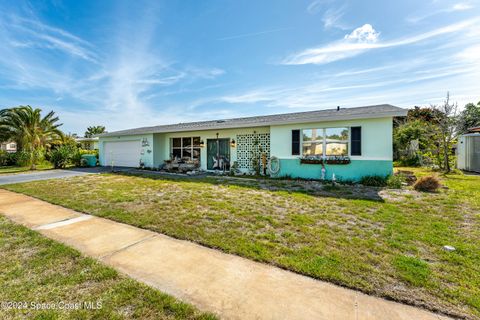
[[90, 159], [468, 152]]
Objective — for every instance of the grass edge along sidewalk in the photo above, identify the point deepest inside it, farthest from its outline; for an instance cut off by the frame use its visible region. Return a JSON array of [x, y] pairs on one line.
[[42, 278]]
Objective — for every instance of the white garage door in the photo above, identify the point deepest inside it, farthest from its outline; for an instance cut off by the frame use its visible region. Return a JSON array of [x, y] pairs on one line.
[[123, 153]]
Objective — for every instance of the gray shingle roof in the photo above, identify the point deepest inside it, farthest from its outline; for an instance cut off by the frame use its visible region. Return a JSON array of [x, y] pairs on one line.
[[376, 111]]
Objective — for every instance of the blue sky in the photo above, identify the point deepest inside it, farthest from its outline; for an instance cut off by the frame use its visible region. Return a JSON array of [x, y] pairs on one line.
[[125, 64]]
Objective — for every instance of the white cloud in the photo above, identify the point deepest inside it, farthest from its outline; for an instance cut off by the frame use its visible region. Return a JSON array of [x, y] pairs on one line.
[[356, 91], [363, 39], [204, 73], [165, 81], [252, 34], [114, 87], [250, 97], [316, 6], [461, 6], [470, 54], [215, 72], [128, 86], [413, 79], [32, 33], [332, 18], [365, 33], [332, 15]]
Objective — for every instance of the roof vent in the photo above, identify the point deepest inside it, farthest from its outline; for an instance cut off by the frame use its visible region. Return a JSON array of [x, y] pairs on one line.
[[338, 108]]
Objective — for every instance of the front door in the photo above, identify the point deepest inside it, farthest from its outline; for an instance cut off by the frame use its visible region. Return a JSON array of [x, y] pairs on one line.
[[218, 154]]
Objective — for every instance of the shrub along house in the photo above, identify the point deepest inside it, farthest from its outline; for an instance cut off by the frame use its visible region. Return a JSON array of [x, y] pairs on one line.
[[347, 142]]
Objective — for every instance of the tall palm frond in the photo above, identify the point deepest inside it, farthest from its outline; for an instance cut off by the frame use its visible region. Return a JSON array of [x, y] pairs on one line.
[[94, 130], [28, 129]]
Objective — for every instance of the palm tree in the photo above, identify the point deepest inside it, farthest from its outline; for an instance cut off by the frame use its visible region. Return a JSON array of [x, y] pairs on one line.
[[32, 133], [94, 130]]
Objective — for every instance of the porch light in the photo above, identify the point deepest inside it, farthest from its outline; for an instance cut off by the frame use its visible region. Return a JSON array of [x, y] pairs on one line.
[[202, 144], [233, 143]]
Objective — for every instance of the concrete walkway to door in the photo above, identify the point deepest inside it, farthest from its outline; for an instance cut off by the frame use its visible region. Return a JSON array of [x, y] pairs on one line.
[[227, 285]]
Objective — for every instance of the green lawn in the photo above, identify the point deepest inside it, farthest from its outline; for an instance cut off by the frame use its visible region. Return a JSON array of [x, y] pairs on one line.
[[39, 271], [18, 169], [384, 242]]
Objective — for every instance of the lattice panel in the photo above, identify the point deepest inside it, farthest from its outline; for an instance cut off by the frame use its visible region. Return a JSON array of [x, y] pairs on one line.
[[246, 146]]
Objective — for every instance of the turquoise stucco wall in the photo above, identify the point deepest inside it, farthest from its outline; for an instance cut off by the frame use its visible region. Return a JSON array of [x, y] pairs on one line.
[[353, 171]]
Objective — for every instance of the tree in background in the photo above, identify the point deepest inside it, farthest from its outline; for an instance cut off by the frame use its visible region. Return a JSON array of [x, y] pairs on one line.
[[94, 130], [416, 132], [427, 136], [425, 114], [412, 136], [32, 133], [445, 131], [469, 118]]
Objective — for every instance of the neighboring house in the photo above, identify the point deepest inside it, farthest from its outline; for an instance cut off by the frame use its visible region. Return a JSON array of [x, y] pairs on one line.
[[358, 141], [8, 146], [88, 143]]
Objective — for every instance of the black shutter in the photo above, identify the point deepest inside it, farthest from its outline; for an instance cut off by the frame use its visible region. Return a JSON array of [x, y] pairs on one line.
[[296, 142], [356, 141]]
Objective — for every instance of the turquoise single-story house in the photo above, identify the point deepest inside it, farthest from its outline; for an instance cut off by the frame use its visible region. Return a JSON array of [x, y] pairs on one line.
[[345, 143]]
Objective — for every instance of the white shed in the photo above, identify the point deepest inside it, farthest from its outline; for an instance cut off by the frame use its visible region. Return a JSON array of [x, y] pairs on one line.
[[468, 152]]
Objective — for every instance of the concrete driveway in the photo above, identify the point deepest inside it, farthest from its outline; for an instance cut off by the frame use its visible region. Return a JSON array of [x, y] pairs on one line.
[[49, 174]]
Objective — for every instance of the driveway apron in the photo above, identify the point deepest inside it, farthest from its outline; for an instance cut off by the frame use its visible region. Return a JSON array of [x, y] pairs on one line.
[[48, 174]]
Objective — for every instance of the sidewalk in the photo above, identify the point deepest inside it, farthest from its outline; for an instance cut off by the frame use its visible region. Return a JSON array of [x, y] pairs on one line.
[[228, 285]]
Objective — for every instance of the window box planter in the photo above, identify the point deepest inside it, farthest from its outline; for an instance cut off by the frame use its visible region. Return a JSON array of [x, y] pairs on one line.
[[311, 161], [332, 160], [338, 161]]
